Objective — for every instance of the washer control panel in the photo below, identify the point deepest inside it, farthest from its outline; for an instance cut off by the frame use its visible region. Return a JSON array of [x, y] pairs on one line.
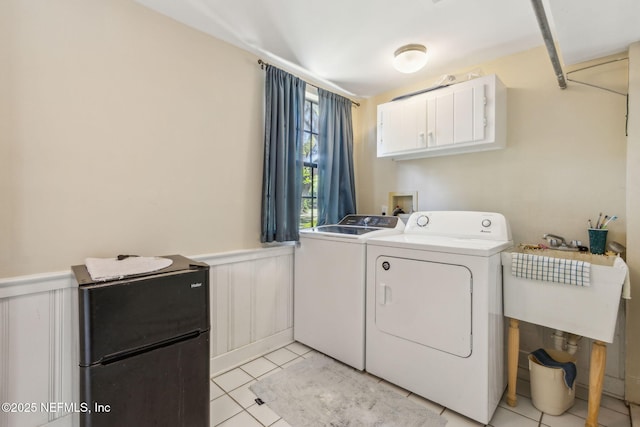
[[378, 221]]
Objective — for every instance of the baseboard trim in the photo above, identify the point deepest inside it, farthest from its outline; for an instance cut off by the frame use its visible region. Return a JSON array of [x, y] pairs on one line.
[[239, 356]]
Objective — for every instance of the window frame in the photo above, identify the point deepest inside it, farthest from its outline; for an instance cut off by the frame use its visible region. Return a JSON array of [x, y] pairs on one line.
[[311, 97]]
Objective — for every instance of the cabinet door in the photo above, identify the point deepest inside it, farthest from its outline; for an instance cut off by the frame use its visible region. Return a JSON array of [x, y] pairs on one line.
[[469, 114], [416, 122], [390, 128], [463, 116], [479, 112], [456, 116], [440, 120], [402, 126]]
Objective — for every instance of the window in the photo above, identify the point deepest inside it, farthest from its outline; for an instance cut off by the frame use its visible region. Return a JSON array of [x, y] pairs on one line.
[[309, 208]]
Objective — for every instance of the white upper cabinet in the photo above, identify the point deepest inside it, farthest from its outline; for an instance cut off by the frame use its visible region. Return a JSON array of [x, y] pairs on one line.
[[466, 117]]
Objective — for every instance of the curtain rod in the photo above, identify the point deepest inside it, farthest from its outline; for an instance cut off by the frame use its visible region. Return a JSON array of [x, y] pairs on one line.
[[263, 64]]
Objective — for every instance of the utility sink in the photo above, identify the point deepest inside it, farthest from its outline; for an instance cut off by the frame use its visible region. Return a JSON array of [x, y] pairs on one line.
[[589, 311]]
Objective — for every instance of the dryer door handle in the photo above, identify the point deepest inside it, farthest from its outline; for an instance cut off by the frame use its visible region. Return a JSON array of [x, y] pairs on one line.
[[384, 294]]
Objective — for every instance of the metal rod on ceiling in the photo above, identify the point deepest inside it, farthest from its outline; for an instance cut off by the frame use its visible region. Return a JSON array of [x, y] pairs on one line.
[[543, 23], [264, 64]]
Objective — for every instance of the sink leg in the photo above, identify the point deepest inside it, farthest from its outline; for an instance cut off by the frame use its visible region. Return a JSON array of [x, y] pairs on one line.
[[512, 360], [596, 378]]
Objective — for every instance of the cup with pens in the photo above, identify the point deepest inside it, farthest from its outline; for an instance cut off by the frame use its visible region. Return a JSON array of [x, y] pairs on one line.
[[598, 234]]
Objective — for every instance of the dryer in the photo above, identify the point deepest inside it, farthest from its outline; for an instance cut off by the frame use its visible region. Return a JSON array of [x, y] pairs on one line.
[[329, 285], [434, 309]]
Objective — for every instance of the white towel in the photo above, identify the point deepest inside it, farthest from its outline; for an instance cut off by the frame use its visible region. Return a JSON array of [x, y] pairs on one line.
[[103, 269], [626, 286], [558, 270]]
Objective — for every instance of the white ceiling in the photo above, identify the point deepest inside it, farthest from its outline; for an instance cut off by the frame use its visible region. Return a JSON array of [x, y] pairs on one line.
[[349, 44]]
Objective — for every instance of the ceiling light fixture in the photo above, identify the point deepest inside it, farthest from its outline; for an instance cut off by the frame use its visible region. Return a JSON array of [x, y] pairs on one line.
[[410, 58]]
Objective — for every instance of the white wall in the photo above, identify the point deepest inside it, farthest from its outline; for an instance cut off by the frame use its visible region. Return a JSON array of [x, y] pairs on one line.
[[122, 131]]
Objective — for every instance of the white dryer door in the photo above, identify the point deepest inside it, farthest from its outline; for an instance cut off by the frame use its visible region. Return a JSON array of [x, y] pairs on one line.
[[425, 302]]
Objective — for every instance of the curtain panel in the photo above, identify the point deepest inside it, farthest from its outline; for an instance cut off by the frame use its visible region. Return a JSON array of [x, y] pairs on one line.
[[336, 182], [282, 173]]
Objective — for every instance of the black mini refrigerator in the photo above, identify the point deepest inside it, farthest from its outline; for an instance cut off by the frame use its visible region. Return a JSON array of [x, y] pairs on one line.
[[144, 347]]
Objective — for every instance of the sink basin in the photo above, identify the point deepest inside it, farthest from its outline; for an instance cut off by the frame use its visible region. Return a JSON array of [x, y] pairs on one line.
[[590, 311]]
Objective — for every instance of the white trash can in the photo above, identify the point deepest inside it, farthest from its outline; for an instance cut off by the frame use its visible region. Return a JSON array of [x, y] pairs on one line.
[[549, 393]]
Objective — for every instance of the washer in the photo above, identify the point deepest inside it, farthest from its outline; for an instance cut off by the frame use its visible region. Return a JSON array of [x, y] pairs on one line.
[[329, 296], [434, 309]]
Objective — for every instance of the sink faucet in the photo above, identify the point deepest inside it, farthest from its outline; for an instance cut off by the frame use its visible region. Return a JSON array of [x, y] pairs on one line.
[[554, 240], [558, 242]]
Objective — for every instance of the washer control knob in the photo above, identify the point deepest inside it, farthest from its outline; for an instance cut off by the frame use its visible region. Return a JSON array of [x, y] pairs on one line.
[[486, 223], [422, 221]]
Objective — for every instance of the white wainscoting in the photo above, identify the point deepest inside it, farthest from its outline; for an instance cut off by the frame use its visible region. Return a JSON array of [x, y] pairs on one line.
[[37, 347], [251, 305], [251, 313]]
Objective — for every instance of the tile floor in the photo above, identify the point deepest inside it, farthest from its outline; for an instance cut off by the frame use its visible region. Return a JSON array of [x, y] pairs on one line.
[[233, 405]]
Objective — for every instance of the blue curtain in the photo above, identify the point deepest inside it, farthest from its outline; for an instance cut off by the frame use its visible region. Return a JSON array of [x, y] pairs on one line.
[[282, 173], [336, 183]]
